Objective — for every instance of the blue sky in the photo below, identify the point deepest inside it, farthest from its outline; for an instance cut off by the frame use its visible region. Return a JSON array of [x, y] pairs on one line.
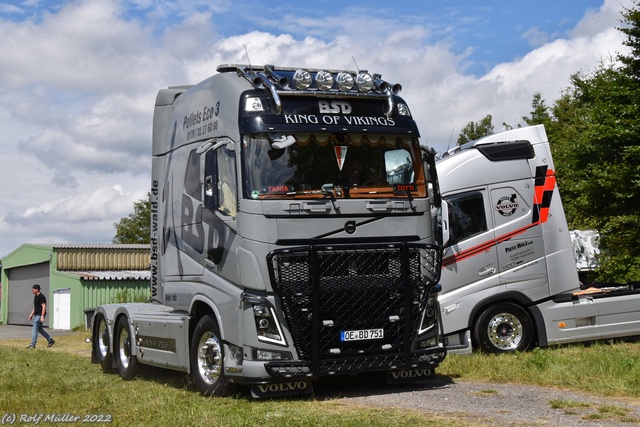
[[79, 79]]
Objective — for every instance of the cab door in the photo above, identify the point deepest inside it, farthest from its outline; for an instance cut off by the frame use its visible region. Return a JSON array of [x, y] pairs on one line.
[[520, 245]]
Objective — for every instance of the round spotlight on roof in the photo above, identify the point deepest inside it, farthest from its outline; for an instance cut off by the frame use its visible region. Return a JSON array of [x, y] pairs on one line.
[[364, 82], [324, 80], [302, 79], [345, 81]]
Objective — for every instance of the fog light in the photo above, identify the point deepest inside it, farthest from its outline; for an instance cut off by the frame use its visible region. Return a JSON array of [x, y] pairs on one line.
[[431, 342], [364, 81], [260, 354], [344, 81], [324, 80], [302, 79]]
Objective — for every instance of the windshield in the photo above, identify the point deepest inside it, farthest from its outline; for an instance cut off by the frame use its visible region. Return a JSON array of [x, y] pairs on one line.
[[343, 165]]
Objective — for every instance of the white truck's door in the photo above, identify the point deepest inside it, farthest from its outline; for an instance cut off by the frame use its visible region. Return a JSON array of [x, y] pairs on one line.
[[520, 247]]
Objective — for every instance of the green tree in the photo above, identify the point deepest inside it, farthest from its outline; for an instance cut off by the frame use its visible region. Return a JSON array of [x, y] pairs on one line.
[[594, 137], [631, 62], [473, 131], [594, 131], [135, 228], [540, 114]]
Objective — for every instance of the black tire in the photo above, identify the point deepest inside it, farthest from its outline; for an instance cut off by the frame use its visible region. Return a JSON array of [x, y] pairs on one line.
[[207, 358], [100, 340], [122, 350], [503, 328]]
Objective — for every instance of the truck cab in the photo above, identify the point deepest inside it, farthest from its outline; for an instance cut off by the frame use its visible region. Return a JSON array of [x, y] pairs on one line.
[[509, 275]]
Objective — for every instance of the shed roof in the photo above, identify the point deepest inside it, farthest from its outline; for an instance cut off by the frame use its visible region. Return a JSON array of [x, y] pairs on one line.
[[112, 246], [112, 274]]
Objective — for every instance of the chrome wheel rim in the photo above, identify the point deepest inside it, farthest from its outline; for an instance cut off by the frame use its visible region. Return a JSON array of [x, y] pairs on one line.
[[103, 339], [209, 358], [124, 348], [505, 331]]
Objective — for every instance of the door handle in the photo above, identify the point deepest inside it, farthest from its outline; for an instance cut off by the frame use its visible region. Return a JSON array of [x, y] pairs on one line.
[[487, 271]]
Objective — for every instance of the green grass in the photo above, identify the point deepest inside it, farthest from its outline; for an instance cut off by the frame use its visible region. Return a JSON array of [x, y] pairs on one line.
[[61, 380], [606, 369]]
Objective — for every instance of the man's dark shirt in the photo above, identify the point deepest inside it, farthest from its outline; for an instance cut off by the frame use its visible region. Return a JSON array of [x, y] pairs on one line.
[[38, 300]]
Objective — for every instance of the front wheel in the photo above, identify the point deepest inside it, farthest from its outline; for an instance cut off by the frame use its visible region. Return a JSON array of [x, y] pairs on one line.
[[125, 360], [207, 357], [101, 343], [503, 328]]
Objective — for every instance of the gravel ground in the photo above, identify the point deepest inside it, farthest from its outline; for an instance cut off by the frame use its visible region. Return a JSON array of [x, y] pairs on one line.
[[489, 404]]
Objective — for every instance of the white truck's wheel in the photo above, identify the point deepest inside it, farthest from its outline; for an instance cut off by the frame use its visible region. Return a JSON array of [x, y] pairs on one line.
[[503, 328]]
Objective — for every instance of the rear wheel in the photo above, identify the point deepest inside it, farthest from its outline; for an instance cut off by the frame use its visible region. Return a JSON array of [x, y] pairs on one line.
[[125, 360], [101, 343], [207, 357], [503, 328]]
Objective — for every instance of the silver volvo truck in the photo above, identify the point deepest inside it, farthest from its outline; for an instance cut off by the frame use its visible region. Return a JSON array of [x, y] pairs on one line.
[[291, 236]]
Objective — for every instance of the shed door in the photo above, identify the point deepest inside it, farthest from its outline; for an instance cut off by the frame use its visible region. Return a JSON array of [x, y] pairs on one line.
[[20, 297], [62, 309]]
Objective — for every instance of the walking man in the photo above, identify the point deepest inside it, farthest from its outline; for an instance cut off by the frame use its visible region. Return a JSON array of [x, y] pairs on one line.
[[37, 314]]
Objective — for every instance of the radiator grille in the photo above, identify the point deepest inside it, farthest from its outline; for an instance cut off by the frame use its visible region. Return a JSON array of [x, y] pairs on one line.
[[328, 289]]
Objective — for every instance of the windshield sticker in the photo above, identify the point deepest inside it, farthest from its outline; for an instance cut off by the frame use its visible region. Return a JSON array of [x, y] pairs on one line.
[[341, 154]]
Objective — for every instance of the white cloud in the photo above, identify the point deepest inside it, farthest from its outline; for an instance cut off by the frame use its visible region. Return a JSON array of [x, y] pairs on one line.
[[86, 216]]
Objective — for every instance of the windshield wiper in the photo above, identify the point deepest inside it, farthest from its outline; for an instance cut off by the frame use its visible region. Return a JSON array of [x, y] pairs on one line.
[[332, 196], [325, 193]]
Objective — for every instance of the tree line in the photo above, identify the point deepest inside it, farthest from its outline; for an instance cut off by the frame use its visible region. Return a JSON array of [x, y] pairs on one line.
[[594, 134]]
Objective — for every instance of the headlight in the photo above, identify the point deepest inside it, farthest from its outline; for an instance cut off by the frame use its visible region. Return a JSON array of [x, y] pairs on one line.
[[429, 319], [267, 326]]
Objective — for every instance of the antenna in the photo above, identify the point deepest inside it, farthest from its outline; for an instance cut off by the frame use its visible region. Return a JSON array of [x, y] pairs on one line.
[[450, 138], [354, 61], [246, 52]]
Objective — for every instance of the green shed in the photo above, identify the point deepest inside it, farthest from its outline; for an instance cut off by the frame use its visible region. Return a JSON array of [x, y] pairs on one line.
[[75, 278]]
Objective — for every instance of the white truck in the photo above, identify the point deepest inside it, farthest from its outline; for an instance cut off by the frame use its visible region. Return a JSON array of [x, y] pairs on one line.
[[291, 236], [509, 278]]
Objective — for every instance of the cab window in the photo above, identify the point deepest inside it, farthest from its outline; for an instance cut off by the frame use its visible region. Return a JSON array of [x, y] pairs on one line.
[[466, 216], [220, 190]]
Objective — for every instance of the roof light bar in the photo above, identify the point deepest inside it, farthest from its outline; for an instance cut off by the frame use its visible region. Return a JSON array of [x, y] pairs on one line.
[[285, 79]]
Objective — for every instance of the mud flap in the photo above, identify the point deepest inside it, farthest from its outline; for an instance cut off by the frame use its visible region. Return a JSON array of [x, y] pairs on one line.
[[410, 375], [292, 388]]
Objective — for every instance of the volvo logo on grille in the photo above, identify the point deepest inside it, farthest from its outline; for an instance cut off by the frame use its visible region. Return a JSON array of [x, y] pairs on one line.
[[350, 227]]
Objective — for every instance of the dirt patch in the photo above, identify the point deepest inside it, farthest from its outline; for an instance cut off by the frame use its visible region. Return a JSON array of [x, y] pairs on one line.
[[490, 404]]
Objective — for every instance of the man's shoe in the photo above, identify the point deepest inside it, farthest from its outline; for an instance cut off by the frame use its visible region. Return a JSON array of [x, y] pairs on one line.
[[52, 342], [31, 346]]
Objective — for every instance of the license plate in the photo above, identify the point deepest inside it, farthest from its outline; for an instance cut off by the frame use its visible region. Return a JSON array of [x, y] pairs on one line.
[[363, 334]]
